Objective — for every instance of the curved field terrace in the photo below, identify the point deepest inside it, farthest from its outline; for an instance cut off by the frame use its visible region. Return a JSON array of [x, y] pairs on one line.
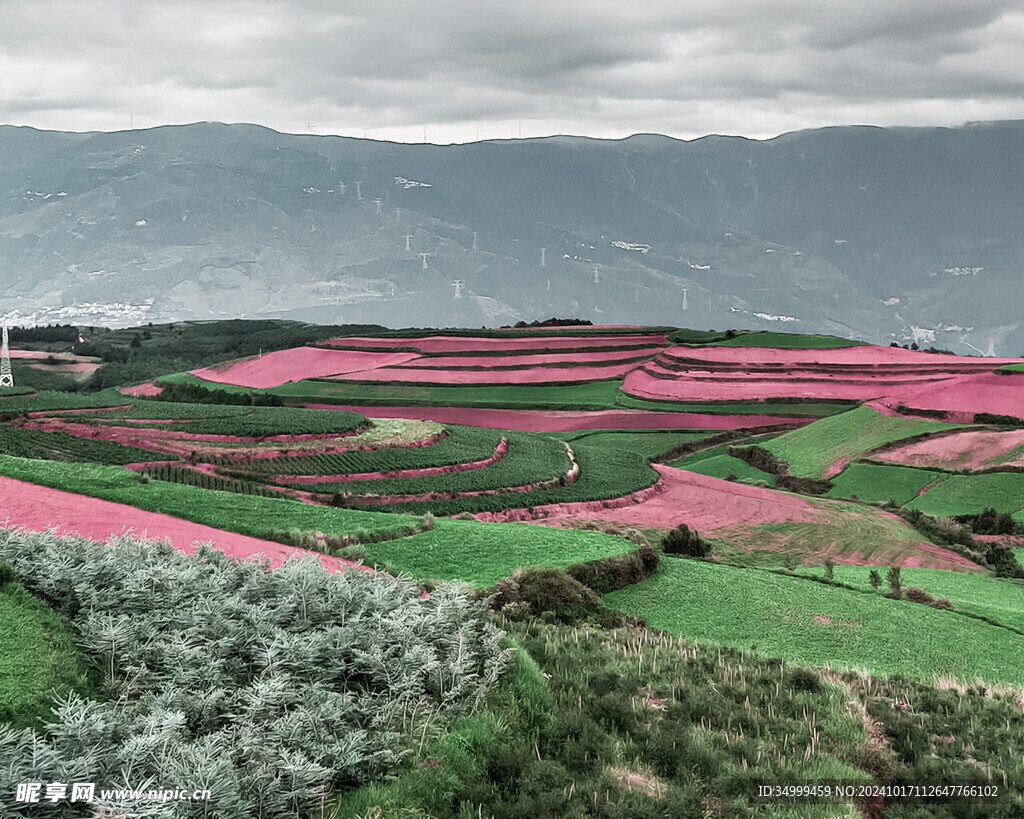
[[570, 421], [40, 508], [750, 518], [966, 449]]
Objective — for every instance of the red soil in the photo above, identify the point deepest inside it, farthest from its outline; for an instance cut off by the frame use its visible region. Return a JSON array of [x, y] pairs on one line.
[[706, 386], [974, 449], [566, 421], [149, 388], [505, 361], [965, 395], [39, 508], [864, 355], [530, 375], [282, 366], [717, 507]]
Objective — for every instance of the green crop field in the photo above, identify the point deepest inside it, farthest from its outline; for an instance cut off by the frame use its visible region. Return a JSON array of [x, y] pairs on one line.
[[994, 598], [60, 446], [811, 623], [483, 553], [39, 658], [460, 445], [810, 408], [530, 459], [722, 466], [970, 494], [603, 474], [877, 484], [588, 395], [649, 443], [49, 400], [810, 450], [1012, 368], [226, 419], [788, 341]]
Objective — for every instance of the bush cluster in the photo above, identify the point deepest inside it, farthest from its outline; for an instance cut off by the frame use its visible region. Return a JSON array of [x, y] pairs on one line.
[[685, 541]]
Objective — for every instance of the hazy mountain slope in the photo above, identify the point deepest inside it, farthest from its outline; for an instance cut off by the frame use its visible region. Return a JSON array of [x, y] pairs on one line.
[[812, 231]]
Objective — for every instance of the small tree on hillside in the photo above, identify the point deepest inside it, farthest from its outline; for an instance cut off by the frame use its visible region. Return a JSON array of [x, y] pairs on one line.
[[895, 583], [830, 566], [875, 579], [684, 541]]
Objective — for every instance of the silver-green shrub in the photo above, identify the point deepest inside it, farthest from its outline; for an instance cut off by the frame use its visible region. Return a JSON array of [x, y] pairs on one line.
[[270, 688]]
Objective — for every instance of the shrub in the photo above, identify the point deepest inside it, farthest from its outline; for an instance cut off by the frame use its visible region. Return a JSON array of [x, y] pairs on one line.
[[612, 573], [875, 579], [919, 595], [803, 679], [549, 590], [685, 541], [8, 574], [830, 566], [943, 603]]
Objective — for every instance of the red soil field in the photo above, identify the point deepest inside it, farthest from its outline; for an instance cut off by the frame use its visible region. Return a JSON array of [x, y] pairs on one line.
[[40, 508], [282, 366], [566, 421], [717, 507], [710, 387], [505, 361], [143, 390], [965, 395], [865, 355], [972, 449], [531, 375]]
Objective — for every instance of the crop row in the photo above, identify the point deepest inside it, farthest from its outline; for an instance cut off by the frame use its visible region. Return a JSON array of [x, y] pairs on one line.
[[460, 445], [205, 480], [603, 474], [530, 459], [60, 446], [239, 420]]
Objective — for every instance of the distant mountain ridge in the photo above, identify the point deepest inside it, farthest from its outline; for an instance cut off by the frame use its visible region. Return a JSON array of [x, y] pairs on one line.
[[881, 234]]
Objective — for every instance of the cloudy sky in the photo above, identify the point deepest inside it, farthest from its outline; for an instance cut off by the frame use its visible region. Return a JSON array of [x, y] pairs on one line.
[[460, 70]]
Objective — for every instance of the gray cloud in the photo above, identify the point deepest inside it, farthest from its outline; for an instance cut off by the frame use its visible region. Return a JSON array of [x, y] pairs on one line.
[[602, 68]]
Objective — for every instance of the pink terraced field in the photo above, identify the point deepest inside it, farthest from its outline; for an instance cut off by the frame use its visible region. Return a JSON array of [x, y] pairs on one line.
[[520, 359], [39, 508], [282, 366], [865, 356], [970, 449], [729, 387], [529, 375], [963, 396]]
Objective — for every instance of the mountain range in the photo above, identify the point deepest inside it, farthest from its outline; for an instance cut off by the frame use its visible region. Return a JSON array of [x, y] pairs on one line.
[[899, 234]]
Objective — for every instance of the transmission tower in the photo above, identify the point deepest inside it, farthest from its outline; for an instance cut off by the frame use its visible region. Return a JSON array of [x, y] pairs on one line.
[[378, 202], [685, 307], [359, 190], [457, 284], [543, 260], [424, 257], [474, 242], [597, 274], [6, 378], [408, 238]]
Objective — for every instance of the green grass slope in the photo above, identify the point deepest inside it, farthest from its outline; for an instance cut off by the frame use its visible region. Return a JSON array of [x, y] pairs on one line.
[[39, 658], [810, 623], [878, 484], [970, 494], [811, 450]]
